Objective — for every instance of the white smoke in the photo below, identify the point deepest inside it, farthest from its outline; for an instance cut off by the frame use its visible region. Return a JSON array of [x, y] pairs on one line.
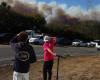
[[91, 14], [53, 11], [9, 2]]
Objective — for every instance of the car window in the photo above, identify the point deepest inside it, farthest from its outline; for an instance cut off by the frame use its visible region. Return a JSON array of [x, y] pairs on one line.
[[41, 37], [98, 43], [2, 34], [36, 36], [76, 40], [29, 33]]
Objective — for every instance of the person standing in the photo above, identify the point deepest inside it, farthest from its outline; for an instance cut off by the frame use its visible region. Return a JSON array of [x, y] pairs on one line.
[[48, 57], [24, 56]]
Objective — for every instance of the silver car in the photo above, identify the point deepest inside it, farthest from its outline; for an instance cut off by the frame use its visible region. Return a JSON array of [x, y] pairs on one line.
[[76, 42]]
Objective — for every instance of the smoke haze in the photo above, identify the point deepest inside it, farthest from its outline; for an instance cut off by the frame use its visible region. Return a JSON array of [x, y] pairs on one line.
[[53, 11]]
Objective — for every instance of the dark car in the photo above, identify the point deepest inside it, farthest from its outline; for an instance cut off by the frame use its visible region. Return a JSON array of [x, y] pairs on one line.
[[5, 38], [63, 41]]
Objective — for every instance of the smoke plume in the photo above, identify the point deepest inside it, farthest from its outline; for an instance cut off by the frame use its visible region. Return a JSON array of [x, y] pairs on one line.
[[55, 12]]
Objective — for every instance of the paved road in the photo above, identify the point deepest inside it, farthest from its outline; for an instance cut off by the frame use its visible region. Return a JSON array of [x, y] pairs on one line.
[[6, 53]]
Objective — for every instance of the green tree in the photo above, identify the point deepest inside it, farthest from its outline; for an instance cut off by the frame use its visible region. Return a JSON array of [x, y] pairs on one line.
[[39, 22], [11, 21]]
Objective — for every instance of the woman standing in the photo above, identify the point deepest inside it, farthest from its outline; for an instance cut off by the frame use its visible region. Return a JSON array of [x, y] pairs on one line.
[[48, 57]]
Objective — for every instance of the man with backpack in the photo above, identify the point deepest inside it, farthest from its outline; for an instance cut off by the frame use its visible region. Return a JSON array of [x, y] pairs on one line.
[[24, 56]]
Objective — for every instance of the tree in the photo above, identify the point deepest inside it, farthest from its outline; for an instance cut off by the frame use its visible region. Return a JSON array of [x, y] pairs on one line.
[[89, 29], [11, 21], [39, 22], [4, 6]]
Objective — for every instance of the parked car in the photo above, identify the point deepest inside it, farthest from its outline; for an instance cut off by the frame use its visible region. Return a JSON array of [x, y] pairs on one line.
[[63, 41], [38, 39], [30, 33], [80, 43], [89, 44], [98, 46], [76, 42], [5, 38], [83, 44], [59, 40], [92, 43]]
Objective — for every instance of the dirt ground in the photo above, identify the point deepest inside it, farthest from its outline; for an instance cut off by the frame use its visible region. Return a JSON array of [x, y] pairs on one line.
[[71, 68]]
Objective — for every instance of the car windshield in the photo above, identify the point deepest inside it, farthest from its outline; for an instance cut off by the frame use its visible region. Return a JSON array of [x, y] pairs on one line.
[[76, 40], [29, 33], [37, 36]]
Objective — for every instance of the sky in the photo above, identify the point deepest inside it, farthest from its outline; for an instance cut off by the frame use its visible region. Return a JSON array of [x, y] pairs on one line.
[[84, 4]]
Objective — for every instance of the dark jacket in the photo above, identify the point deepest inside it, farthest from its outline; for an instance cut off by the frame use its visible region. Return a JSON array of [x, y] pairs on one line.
[[24, 55]]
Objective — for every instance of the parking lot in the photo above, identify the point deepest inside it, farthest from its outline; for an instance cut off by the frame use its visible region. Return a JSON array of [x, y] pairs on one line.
[[6, 54]]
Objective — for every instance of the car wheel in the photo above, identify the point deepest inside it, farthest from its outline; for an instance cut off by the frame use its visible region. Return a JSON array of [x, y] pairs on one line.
[[98, 49]]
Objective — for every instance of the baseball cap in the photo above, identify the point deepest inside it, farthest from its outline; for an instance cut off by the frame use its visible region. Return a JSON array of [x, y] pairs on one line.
[[46, 38]]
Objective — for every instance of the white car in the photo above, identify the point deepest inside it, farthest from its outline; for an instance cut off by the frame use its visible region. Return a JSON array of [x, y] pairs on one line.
[[98, 46], [37, 39], [76, 42], [31, 40], [92, 43]]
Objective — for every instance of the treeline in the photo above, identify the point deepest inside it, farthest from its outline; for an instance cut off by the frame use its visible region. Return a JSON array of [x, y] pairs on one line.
[[13, 22], [87, 30]]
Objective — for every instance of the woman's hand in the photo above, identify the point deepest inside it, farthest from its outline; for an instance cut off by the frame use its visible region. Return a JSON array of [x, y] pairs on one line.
[[54, 54]]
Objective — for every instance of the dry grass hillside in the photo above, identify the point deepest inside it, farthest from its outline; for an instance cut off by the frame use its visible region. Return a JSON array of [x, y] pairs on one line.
[[72, 68]]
